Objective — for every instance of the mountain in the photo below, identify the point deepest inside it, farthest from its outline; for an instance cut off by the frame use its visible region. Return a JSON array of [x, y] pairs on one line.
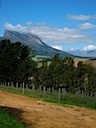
[[34, 42], [89, 53]]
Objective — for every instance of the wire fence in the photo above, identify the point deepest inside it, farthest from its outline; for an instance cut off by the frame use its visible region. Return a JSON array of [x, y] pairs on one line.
[[50, 93]]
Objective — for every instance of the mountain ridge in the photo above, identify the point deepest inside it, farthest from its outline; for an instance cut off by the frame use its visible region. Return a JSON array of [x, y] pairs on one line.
[[34, 42], [89, 53]]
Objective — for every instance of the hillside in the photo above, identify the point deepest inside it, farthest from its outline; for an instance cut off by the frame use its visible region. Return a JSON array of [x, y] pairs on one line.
[[34, 42], [89, 53]]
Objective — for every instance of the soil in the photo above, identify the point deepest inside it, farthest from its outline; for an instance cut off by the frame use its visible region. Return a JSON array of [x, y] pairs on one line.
[[37, 114]]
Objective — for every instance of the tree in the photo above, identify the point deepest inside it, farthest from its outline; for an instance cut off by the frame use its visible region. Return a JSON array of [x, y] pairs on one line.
[[15, 63], [69, 74], [91, 78]]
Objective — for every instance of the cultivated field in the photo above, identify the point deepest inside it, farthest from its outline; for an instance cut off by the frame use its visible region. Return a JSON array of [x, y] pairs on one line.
[[76, 60], [38, 114], [91, 62]]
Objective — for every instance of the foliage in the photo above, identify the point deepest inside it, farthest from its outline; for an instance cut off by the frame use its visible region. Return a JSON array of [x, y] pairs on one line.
[[15, 63], [62, 72]]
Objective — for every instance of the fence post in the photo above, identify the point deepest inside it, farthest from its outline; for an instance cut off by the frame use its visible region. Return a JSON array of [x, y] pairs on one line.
[[8, 84], [64, 91], [49, 89], [40, 88], [52, 89], [16, 85], [12, 83], [82, 94], [59, 95], [26, 86], [44, 89], [33, 87], [23, 89]]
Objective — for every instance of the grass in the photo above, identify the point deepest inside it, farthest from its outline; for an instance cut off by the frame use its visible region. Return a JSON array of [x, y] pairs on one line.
[[40, 63], [88, 102], [7, 121], [70, 99]]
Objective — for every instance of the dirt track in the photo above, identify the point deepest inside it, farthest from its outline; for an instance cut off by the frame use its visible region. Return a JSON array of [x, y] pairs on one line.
[[38, 114]]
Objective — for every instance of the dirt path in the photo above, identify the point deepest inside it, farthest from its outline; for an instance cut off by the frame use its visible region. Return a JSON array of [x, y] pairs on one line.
[[38, 114]]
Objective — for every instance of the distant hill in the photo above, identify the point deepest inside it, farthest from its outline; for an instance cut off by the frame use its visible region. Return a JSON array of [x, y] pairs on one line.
[[34, 42], [89, 54]]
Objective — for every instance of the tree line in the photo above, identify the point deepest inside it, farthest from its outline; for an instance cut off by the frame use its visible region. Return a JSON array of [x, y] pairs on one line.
[[15, 63], [62, 73], [17, 66]]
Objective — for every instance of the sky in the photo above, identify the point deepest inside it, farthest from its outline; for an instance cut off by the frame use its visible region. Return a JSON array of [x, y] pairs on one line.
[[63, 24]]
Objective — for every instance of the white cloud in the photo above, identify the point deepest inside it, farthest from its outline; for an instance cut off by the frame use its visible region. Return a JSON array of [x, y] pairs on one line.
[[17, 27], [89, 47], [29, 23], [87, 26], [81, 17], [58, 47], [53, 35], [71, 49]]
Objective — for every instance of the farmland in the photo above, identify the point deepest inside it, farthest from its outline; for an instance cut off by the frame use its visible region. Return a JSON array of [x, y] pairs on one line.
[[76, 60], [91, 62]]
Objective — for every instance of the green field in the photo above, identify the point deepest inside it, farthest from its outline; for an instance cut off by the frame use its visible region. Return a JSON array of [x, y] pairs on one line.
[[39, 58]]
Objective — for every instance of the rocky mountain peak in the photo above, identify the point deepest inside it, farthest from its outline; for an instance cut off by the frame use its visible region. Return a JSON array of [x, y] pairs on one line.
[[34, 42]]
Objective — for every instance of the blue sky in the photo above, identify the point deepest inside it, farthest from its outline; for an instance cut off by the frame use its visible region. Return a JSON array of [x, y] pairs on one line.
[[62, 24]]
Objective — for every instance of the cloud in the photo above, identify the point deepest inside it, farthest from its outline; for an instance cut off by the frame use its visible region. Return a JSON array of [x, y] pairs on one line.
[[71, 49], [58, 47], [89, 47], [81, 17], [86, 26], [17, 27], [29, 23], [53, 35]]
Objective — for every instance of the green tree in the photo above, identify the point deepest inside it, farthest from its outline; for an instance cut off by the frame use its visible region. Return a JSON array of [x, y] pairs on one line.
[[15, 63], [69, 74], [91, 78]]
